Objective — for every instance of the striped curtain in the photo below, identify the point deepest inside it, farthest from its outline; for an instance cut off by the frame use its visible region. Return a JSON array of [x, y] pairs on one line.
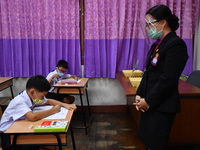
[[114, 38], [36, 34]]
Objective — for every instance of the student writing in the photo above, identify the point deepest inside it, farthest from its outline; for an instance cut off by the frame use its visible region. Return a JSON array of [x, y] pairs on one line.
[[57, 75], [21, 106]]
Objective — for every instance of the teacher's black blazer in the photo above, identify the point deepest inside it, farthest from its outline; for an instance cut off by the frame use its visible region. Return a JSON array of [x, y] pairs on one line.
[[159, 85]]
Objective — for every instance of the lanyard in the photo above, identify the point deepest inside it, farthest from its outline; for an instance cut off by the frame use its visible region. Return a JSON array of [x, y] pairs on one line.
[[158, 43]]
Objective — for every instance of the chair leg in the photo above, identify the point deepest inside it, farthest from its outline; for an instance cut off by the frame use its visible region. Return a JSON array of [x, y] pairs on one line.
[[1, 111]]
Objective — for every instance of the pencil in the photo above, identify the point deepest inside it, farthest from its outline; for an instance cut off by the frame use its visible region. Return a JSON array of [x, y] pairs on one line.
[[52, 103]]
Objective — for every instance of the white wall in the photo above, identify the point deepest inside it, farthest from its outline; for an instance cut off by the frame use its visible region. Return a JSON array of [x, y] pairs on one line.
[[104, 91], [101, 91], [196, 55]]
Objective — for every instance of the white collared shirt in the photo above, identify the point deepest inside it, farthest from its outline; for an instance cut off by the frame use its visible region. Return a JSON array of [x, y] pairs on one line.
[[16, 110], [55, 80]]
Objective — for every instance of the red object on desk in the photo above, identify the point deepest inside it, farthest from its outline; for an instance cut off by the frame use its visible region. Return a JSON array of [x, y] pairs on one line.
[[46, 123], [69, 82]]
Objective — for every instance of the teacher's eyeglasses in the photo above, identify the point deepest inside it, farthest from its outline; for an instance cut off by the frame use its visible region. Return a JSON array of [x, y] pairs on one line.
[[149, 23]]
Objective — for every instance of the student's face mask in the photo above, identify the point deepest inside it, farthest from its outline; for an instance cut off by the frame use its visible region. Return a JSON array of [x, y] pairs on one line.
[[59, 73], [37, 100]]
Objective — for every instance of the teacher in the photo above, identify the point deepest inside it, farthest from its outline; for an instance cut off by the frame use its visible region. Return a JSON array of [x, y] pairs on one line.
[[157, 95]]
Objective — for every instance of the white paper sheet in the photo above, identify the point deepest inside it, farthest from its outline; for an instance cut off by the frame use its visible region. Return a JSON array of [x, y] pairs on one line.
[[60, 115], [70, 80]]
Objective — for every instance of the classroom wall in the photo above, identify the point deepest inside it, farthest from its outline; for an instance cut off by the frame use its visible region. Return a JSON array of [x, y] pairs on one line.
[[101, 91]]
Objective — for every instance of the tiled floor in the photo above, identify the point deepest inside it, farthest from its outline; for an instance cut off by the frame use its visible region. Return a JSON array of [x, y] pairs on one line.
[[111, 132], [108, 132]]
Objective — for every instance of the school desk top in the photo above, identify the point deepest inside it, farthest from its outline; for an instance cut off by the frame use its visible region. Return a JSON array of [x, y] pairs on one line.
[[71, 88], [185, 89], [6, 82], [82, 83], [4, 79], [28, 136], [129, 90]]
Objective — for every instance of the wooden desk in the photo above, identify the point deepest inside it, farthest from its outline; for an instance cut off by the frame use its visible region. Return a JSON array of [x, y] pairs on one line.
[[129, 90], [186, 127], [21, 134], [6, 82], [130, 93], [79, 89]]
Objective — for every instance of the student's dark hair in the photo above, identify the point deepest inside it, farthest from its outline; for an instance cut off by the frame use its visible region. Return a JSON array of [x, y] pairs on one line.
[[39, 83], [62, 63], [160, 12]]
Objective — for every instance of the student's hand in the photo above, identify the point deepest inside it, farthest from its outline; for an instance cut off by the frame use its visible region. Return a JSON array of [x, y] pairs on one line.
[[56, 75], [70, 106], [56, 108], [75, 77]]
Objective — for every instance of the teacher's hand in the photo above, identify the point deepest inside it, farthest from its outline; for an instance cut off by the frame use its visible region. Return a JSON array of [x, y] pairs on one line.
[[141, 104]]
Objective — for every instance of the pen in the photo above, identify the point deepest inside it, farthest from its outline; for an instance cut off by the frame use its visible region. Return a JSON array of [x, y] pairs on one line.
[[52, 103]]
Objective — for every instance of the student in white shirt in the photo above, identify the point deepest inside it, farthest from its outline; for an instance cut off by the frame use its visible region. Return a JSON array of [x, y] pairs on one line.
[[57, 75], [21, 106]]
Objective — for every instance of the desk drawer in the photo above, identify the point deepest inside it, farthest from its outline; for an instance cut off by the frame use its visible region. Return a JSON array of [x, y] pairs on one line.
[[6, 85]]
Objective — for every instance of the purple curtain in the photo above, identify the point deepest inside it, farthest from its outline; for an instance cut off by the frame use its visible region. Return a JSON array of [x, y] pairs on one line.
[[114, 38], [36, 34]]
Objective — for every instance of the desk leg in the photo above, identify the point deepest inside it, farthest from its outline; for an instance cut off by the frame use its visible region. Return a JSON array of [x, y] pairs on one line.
[[82, 108], [11, 91], [59, 141], [14, 142], [72, 136], [88, 102], [83, 112]]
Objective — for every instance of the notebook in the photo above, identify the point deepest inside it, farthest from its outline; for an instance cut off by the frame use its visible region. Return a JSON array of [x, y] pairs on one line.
[[59, 115]]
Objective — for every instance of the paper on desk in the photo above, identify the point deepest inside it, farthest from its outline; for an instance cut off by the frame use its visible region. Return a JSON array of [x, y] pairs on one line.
[[79, 80], [60, 115]]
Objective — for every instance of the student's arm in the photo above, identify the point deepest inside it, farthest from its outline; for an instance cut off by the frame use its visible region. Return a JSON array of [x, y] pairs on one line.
[[54, 76], [55, 103], [42, 114], [75, 77]]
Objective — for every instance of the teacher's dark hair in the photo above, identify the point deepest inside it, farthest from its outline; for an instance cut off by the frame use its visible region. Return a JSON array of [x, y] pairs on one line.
[[162, 12]]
